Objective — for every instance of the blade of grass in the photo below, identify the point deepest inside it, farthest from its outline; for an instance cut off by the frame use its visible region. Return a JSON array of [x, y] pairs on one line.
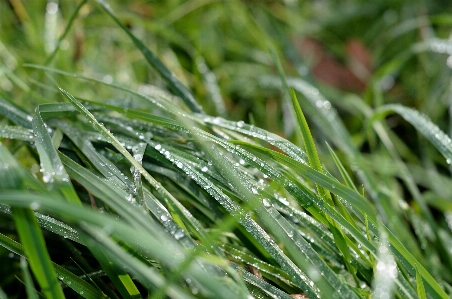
[[35, 249], [154, 61], [52, 167], [29, 286]]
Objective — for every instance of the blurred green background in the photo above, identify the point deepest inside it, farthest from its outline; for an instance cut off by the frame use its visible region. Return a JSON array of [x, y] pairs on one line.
[[346, 48]]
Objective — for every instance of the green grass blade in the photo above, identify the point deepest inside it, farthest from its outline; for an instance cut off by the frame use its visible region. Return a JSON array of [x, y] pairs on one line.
[[438, 138], [51, 224], [52, 167], [16, 132], [29, 286], [119, 277], [309, 144], [154, 61], [35, 250], [15, 114], [347, 179], [420, 286]]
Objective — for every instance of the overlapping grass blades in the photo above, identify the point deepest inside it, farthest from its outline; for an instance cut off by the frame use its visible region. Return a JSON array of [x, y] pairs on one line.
[[162, 201]]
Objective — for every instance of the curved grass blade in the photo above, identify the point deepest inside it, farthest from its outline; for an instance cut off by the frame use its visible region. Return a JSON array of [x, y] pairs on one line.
[[314, 162], [154, 61], [268, 270], [51, 224], [438, 138]]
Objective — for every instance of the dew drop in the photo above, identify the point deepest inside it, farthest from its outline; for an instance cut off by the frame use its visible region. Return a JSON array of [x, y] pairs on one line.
[[35, 205], [164, 218], [178, 234]]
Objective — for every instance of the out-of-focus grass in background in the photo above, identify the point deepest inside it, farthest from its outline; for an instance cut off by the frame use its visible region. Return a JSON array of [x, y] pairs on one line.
[[347, 60], [354, 46]]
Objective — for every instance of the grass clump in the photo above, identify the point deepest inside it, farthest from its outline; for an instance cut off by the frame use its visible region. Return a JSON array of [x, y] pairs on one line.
[[149, 183]]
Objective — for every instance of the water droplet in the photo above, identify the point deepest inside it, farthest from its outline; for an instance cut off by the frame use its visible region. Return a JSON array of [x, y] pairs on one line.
[[34, 205], [158, 147], [195, 290], [240, 124], [178, 234], [130, 198], [164, 218], [204, 169], [266, 203]]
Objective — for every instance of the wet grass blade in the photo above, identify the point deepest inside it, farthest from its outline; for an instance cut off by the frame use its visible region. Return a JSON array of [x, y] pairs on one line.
[[54, 174], [438, 138], [15, 114]]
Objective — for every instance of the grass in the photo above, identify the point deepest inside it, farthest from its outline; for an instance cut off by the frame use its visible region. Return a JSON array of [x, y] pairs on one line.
[[192, 150]]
